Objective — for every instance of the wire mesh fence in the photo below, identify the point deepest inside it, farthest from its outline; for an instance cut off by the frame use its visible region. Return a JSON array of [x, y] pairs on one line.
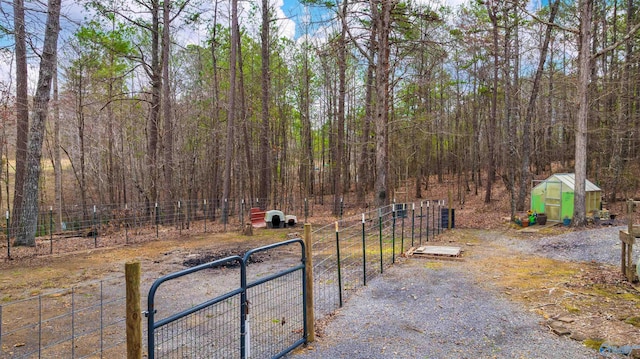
[[355, 249], [81, 322], [76, 227], [89, 320], [262, 317]]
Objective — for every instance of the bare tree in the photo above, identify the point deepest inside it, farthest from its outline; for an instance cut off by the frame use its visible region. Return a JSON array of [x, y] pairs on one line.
[[226, 187], [22, 107], [29, 215]]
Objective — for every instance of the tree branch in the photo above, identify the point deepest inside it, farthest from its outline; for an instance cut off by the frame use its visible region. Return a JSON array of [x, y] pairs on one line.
[[617, 43]]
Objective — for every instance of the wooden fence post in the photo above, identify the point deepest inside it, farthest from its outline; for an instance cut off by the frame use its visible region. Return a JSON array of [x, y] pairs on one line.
[[311, 325], [134, 315]]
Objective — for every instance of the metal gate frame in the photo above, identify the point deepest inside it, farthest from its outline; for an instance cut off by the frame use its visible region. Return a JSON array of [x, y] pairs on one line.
[[244, 345]]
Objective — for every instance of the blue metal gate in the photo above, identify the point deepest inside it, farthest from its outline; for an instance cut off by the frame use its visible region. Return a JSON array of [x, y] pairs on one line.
[[262, 318]]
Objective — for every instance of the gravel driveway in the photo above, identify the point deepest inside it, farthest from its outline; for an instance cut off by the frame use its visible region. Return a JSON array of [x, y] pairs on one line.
[[417, 310]]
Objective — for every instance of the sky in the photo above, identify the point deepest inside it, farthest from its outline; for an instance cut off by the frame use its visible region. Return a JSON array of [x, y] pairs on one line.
[[294, 19]]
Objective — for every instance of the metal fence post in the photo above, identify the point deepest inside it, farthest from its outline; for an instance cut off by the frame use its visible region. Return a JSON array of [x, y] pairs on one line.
[[95, 228], [309, 310], [393, 236], [439, 216], [339, 267], [364, 252], [380, 230], [179, 219], [242, 213], [50, 230], [404, 214], [225, 214], [427, 220], [204, 208], [413, 221], [133, 321], [8, 240], [157, 219], [421, 215], [126, 224]]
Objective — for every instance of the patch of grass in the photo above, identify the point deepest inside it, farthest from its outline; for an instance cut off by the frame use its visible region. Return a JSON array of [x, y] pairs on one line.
[[635, 321], [433, 265], [612, 292], [6, 298], [593, 343], [571, 308]]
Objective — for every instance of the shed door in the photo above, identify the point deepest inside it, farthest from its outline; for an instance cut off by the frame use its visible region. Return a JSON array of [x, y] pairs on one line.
[[553, 201]]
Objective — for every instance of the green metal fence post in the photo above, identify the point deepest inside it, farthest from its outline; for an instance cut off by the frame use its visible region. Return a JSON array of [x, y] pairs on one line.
[[427, 220], [339, 267], [404, 214], [393, 236], [413, 221], [364, 252], [421, 215], [380, 230]]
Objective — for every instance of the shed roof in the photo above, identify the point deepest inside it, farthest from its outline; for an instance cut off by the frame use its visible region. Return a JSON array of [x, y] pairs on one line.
[[569, 179]]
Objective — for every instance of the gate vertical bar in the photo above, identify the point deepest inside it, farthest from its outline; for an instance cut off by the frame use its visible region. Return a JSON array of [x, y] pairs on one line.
[[380, 231], [364, 252], [244, 312], [339, 267], [40, 326]]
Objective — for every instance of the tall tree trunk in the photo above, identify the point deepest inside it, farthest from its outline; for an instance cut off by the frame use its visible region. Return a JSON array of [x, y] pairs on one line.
[[167, 139], [154, 113], [22, 107], [307, 166], [342, 83], [381, 11], [525, 175], [493, 116], [226, 187], [584, 66], [57, 159], [243, 117], [364, 171], [265, 165], [29, 216]]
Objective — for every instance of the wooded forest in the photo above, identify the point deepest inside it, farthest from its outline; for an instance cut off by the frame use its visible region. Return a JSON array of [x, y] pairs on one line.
[[185, 99]]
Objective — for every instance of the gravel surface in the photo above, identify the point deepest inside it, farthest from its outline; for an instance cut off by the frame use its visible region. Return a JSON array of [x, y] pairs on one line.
[[600, 245], [416, 310]]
